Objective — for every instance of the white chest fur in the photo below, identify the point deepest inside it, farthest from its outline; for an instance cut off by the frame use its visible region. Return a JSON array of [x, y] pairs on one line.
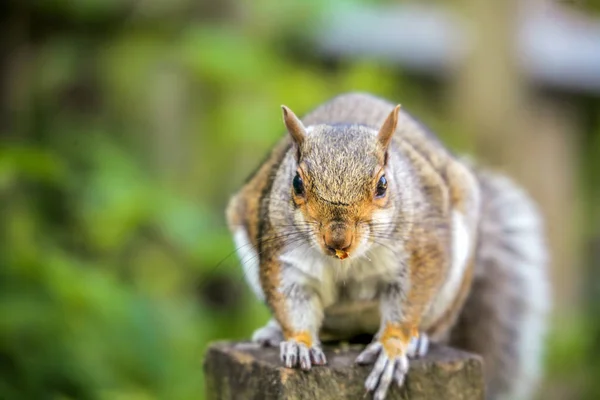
[[325, 274], [358, 276]]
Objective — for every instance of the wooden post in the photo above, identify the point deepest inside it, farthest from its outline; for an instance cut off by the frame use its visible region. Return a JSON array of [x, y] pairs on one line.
[[246, 371]]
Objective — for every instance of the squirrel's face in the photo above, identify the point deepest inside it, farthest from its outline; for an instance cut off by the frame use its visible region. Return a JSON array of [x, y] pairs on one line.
[[340, 186]]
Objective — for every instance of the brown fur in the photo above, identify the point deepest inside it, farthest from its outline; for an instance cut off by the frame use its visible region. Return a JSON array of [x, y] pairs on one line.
[[396, 337], [440, 329], [302, 337], [249, 208]]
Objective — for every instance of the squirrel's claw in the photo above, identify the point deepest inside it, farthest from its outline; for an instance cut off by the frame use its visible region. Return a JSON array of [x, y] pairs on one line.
[[369, 354], [317, 356], [418, 346], [295, 354], [385, 370]]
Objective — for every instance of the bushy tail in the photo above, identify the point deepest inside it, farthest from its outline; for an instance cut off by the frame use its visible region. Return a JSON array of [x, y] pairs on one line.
[[505, 316]]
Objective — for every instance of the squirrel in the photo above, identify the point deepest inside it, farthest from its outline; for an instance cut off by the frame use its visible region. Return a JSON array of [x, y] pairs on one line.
[[362, 221]]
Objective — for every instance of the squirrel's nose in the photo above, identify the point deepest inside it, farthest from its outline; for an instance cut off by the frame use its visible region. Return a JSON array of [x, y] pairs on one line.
[[338, 237]]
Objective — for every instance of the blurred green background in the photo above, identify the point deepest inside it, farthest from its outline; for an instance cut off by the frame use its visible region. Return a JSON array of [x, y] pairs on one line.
[[126, 125]]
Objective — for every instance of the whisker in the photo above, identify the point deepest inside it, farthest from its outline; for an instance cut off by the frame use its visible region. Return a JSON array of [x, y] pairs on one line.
[[244, 264], [384, 245], [263, 240]]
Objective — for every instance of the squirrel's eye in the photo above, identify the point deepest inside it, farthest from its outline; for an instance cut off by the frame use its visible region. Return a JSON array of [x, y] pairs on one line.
[[298, 185], [381, 187]]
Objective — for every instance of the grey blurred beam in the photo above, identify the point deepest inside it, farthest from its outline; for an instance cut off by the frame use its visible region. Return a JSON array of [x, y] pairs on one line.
[[556, 48]]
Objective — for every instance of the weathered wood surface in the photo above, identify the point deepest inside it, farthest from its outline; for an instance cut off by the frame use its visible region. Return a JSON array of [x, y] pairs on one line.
[[246, 371]]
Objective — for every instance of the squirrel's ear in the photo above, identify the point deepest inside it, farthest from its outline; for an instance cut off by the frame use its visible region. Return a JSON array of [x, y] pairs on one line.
[[388, 128], [294, 125]]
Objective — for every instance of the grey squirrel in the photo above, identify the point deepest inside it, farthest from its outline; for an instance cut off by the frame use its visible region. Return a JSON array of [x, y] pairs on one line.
[[361, 221]]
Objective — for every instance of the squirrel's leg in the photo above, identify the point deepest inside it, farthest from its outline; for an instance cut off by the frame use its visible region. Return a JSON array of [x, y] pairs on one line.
[[301, 327], [269, 335], [297, 308], [402, 304], [389, 349]]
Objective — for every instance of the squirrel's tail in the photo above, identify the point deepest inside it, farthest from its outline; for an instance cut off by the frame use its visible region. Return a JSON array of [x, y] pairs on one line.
[[505, 316]]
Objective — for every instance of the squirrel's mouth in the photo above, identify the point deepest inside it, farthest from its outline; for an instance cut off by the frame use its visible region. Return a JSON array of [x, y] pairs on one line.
[[341, 254], [338, 240]]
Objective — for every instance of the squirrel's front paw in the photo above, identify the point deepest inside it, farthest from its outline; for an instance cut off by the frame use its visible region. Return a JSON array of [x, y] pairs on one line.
[[391, 363], [299, 350]]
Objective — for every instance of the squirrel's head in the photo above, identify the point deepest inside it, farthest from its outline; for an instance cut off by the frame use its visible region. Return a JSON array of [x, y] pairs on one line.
[[339, 186]]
